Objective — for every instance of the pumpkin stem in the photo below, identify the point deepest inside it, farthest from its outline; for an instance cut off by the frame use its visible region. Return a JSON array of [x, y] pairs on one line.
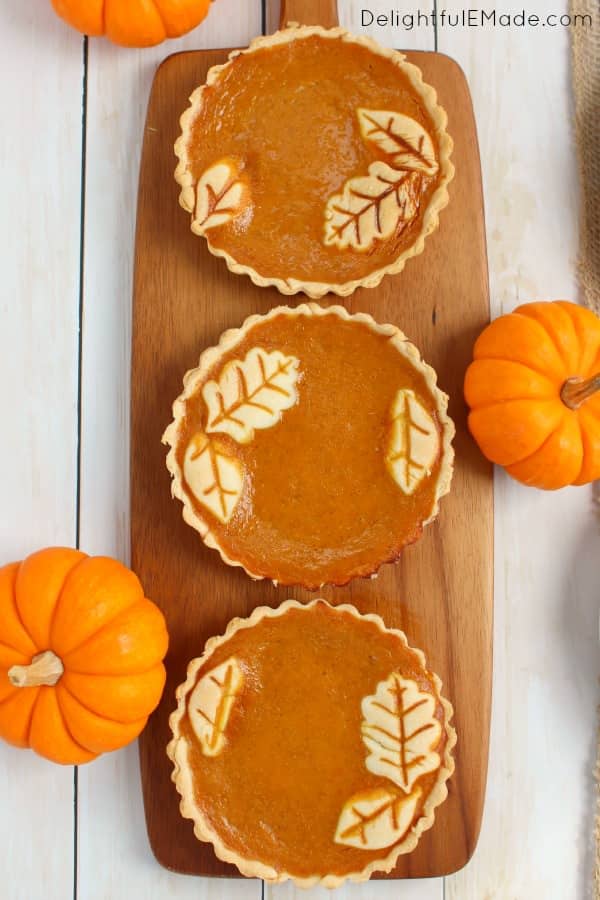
[[45, 668], [575, 391]]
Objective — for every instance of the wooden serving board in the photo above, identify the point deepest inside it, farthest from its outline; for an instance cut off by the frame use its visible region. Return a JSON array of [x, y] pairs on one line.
[[440, 592]]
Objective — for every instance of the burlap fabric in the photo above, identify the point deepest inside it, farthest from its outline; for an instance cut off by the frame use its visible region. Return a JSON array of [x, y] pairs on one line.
[[585, 43]]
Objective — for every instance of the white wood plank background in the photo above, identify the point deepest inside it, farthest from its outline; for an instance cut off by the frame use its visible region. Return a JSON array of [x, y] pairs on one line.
[[535, 843], [40, 173]]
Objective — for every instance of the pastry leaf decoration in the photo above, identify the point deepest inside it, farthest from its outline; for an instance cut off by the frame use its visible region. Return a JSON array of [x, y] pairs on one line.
[[400, 731], [378, 818], [371, 207], [251, 393], [375, 206], [210, 705], [401, 138], [215, 478], [221, 195], [414, 442]]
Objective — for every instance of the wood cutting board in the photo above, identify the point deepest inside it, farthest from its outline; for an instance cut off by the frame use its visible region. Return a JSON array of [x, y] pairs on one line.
[[440, 592]]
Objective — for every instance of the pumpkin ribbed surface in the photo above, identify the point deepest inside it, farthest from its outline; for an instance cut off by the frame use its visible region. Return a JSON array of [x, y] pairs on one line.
[[134, 23], [533, 392], [81, 653]]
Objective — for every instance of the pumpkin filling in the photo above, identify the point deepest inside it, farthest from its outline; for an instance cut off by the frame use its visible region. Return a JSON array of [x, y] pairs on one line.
[[313, 160], [300, 778], [338, 471]]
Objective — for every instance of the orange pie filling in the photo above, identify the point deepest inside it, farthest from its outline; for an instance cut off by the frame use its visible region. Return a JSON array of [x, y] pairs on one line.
[[313, 449], [315, 743], [313, 160]]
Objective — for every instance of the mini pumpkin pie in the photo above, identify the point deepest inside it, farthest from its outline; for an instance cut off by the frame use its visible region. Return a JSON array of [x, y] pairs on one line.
[[315, 161], [312, 743], [310, 446]]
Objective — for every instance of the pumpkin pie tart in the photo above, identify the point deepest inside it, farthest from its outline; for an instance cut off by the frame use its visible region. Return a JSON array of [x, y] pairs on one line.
[[310, 446], [315, 160], [311, 743]]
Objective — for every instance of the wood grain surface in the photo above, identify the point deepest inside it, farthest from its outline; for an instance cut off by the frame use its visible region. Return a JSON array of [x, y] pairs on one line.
[[308, 12], [92, 844], [440, 592]]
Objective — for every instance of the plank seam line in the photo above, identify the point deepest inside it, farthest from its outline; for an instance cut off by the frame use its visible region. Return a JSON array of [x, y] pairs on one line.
[[84, 101]]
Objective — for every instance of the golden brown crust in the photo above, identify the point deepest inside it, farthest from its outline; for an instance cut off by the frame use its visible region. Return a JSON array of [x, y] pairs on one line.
[[228, 341], [439, 200], [181, 775]]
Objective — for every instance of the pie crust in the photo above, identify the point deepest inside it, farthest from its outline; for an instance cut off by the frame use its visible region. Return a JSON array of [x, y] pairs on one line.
[[182, 776], [196, 380], [291, 285]]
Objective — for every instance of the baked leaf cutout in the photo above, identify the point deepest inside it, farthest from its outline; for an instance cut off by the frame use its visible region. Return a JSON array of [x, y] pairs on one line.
[[377, 818], [251, 393], [403, 139], [371, 207], [221, 195], [211, 702], [400, 731], [215, 478], [414, 442]]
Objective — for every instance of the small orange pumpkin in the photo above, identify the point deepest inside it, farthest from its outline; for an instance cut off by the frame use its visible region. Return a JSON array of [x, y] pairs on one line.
[[81, 653], [133, 23], [534, 393]]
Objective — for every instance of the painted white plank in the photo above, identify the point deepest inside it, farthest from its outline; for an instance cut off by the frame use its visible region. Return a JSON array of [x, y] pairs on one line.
[[431, 889], [114, 852], [537, 829], [40, 143], [536, 836], [40, 173]]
